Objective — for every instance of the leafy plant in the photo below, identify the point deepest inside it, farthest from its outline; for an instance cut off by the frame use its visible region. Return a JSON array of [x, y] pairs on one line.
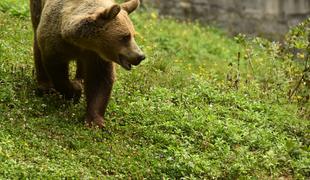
[[15, 8], [175, 116], [284, 70]]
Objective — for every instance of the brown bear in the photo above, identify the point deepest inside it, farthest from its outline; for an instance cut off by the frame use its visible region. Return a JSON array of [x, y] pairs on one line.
[[95, 33]]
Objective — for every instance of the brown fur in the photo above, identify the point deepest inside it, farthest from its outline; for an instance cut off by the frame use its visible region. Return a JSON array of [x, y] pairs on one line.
[[97, 33]]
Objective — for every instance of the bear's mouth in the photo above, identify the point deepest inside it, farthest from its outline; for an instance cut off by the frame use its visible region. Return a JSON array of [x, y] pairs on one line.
[[123, 61]]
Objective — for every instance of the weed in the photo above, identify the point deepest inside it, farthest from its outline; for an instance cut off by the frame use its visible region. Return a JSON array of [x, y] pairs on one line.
[[203, 106]]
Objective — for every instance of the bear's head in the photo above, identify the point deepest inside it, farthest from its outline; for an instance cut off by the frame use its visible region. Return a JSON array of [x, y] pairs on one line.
[[110, 33]]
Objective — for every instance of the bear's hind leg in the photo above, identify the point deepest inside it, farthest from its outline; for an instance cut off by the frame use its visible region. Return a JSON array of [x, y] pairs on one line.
[[44, 83], [58, 72]]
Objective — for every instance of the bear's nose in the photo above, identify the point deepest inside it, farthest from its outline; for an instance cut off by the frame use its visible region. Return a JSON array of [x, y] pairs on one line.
[[141, 57], [138, 59]]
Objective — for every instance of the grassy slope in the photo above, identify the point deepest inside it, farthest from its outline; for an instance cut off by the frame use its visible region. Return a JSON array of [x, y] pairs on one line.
[[173, 116]]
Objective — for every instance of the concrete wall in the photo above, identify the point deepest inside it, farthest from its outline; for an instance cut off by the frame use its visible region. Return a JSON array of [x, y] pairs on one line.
[[271, 18]]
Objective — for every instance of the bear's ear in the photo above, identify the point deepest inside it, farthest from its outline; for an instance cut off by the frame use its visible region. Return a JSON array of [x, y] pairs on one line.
[[109, 13], [130, 5]]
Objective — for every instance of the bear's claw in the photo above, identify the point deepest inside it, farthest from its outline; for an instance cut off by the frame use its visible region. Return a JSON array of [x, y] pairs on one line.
[[96, 122]]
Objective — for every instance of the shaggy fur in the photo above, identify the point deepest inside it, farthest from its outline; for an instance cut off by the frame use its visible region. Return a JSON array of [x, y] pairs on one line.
[[96, 33]]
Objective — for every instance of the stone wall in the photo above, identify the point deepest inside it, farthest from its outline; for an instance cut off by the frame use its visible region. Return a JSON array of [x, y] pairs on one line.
[[271, 18]]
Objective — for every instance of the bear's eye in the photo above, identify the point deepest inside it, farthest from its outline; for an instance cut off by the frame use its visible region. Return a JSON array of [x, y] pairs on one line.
[[126, 38]]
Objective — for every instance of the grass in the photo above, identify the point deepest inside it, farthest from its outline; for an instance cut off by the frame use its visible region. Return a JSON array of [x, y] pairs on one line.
[[175, 116]]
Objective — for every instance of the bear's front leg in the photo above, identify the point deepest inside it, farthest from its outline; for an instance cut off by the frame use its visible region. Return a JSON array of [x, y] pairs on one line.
[[99, 79], [57, 71]]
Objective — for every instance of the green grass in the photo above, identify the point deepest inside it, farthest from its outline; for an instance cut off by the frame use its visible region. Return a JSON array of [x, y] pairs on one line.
[[174, 116]]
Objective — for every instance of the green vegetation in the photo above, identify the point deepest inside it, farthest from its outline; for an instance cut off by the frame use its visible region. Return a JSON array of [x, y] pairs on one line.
[[188, 111]]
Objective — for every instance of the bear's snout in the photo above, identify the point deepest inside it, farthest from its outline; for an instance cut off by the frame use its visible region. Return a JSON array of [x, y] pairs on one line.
[[126, 62], [139, 59]]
